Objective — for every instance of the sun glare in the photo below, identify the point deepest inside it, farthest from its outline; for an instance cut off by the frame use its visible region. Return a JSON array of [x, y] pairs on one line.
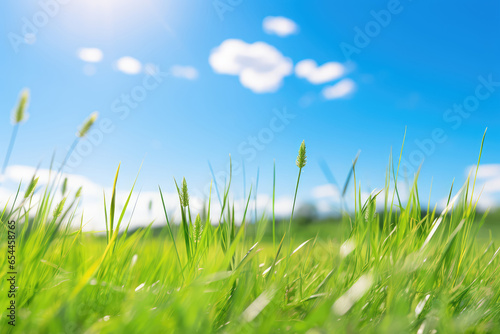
[[90, 18]]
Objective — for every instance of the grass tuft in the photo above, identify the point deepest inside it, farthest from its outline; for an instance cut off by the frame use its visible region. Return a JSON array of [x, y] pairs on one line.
[[390, 266]]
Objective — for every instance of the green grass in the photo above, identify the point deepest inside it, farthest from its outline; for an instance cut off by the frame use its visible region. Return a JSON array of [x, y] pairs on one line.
[[403, 269]]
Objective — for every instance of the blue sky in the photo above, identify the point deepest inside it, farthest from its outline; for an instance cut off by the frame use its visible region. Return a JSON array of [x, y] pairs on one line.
[[417, 61]]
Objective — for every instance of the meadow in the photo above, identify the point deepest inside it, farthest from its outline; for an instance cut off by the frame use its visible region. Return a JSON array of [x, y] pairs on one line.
[[404, 269]]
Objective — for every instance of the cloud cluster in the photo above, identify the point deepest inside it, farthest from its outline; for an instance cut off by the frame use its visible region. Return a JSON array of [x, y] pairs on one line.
[[309, 70], [262, 68], [91, 205], [325, 191], [343, 88], [328, 197], [128, 65], [91, 201], [279, 25], [487, 190], [90, 55], [488, 171], [259, 66]]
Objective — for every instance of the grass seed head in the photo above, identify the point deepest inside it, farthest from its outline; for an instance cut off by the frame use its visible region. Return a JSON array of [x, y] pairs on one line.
[[184, 192], [302, 158], [78, 192], [197, 229], [20, 112], [31, 187], [64, 186], [87, 124], [58, 210]]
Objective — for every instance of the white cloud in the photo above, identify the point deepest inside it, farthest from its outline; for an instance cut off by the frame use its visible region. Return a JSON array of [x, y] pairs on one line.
[[492, 185], [90, 55], [91, 205], [328, 197], [283, 206], [489, 174], [279, 25], [326, 190], [129, 65], [484, 171], [324, 206], [484, 201], [185, 72], [487, 190], [260, 66], [341, 89], [308, 69]]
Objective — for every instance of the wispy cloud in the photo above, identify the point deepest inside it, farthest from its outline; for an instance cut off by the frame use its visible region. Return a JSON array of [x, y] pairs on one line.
[[489, 182], [90, 55], [309, 70], [487, 171], [184, 72], [91, 201], [260, 66], [328, 197], [487, 190], [128, 65], [326, 190], [279, 25], [341, 89]]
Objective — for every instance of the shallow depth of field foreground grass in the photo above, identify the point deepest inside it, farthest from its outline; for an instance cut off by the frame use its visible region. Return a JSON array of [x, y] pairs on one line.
[[393, 271]]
